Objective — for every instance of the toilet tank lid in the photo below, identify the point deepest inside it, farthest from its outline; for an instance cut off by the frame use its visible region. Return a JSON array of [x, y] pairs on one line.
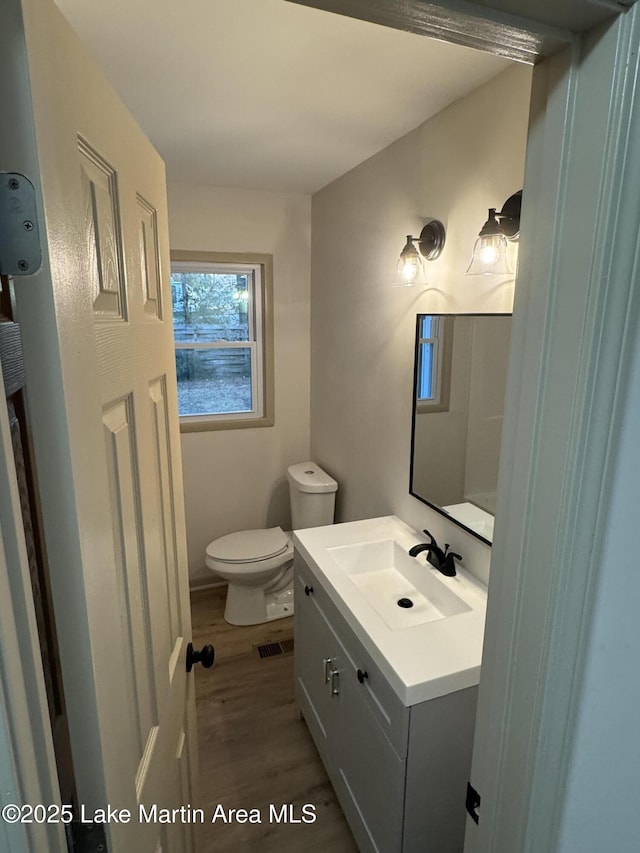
[[246, 546], [309, 477]]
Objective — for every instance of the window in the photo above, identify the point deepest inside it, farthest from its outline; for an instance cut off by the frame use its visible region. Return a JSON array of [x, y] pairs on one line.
[[433, 362], [222, 306]]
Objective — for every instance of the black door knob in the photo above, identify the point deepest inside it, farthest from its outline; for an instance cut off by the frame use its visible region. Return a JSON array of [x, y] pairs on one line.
[[205, 656], [362, 675], [308, 590]]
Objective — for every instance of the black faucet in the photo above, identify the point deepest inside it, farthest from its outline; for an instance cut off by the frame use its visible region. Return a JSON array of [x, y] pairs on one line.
[[439, 559]]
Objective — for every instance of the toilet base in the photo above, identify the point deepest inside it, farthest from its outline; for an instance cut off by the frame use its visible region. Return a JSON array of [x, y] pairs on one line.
[[279, 604], [253, 606]]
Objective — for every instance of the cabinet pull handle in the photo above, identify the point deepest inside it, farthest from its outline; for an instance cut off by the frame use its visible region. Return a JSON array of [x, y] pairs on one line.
[[327, 663], [308, 590], [362, 675], [335, 682]]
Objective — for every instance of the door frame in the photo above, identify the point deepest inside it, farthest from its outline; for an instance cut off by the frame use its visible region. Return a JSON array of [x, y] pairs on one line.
[[576, 312], [27, 761], [574, 295]]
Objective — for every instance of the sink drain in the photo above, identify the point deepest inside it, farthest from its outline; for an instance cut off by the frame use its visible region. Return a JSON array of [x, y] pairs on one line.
[[405, 602]]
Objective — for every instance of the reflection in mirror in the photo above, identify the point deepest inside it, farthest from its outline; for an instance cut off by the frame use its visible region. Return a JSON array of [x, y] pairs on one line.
[[460, 376]]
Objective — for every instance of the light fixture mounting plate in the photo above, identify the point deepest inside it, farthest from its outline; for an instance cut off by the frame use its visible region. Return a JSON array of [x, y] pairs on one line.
[[431, 240], [509, 216]]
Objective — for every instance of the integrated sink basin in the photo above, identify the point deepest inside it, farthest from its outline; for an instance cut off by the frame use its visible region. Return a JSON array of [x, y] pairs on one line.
[[422, 629], [402, 590]]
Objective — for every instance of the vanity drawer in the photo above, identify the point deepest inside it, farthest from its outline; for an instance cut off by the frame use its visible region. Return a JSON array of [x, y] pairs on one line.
[[384, 704]]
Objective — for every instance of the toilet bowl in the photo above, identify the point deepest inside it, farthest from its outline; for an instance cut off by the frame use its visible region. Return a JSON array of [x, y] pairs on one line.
[[258, 564]]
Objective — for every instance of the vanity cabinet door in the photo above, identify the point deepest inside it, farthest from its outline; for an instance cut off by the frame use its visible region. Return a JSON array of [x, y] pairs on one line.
[[367, 773], [370, 776], [318, 661], [371, 685]]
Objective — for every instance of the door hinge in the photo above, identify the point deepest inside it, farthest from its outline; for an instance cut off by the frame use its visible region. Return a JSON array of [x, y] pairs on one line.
[[473, 802], [86, 837], [20, 252]]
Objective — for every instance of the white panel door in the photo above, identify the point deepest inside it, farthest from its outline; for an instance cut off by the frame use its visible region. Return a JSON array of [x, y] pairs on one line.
[[97, 329]]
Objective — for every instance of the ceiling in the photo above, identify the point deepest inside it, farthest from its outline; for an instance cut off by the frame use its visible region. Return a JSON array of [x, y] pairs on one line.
[[265, 94]]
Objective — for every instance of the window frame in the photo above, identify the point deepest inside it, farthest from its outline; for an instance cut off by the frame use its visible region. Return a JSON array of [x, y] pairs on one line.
[[261, 344], [442, 340]]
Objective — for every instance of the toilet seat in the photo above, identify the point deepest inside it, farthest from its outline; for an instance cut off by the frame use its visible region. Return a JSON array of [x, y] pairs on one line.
[[249, 546], [257, 564]]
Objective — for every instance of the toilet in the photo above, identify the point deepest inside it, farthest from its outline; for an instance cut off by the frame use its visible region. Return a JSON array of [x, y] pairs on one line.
[[258, 564]]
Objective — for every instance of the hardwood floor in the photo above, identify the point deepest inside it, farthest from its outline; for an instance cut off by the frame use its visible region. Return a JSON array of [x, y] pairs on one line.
[[254, 751]]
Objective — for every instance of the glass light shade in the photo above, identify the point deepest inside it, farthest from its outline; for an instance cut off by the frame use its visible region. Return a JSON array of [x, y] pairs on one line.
[[490, 256], [410, 268]]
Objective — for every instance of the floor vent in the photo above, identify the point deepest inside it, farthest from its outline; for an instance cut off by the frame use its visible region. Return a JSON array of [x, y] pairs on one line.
[[270, 650]]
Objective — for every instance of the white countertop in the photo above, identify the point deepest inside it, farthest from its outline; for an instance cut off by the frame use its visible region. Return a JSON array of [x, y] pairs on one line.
[[422, 661]]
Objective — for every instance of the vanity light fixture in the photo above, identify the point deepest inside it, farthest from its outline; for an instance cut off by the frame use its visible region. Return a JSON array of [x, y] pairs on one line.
[[490, 251], [427, 247]]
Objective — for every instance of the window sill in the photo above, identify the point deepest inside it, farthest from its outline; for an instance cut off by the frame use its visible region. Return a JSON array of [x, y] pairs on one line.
[[431, 408], [207, 425]]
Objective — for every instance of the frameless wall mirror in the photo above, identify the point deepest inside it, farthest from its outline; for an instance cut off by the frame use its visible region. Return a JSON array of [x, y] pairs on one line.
[[460, 376]]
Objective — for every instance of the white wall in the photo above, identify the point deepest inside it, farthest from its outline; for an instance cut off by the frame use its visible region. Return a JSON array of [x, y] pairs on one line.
[[236, 479], [459, 163]]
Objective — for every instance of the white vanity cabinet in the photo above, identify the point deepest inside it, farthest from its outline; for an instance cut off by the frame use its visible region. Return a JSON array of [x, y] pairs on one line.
[[400, 772]]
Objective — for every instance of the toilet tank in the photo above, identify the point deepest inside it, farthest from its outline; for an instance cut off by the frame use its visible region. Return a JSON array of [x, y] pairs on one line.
[[312, 495]]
